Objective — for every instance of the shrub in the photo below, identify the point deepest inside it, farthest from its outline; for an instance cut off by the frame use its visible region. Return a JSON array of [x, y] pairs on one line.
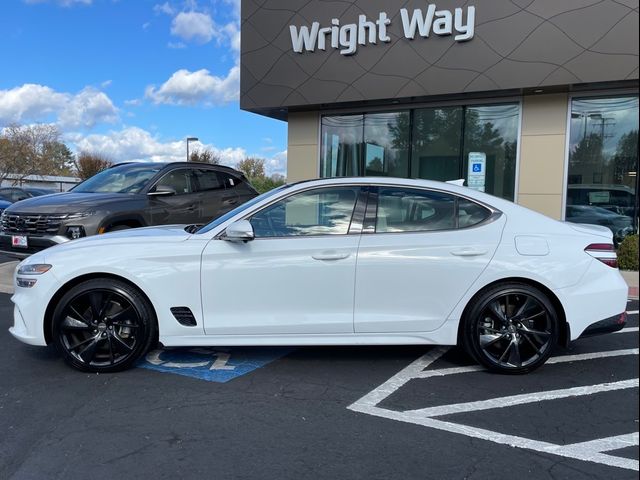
[[628, 253]]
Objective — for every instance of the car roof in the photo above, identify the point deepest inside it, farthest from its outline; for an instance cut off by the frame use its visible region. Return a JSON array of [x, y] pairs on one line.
[[168, 165]]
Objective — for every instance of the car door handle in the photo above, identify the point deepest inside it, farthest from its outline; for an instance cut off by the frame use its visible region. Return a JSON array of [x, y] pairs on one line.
[[468, 252], [230, 201], [330, 256]]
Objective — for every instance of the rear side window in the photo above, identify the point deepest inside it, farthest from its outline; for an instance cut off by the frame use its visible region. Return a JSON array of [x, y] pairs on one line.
[[228, 180], [470, 213], [415, 210]]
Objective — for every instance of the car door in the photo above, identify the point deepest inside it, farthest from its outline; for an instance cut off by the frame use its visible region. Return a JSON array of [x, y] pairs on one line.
[[178, 208], [419, 253], [295, 277], [210, 194]]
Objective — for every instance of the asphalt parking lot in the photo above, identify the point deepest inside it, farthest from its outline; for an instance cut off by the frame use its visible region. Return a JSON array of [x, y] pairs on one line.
[[339, 413]]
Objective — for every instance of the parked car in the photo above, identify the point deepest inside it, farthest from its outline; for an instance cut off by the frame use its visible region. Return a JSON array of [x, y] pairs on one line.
[[4, 204], [124, 196], [37, 191], [349, 261], [620, 225], [14, 194]]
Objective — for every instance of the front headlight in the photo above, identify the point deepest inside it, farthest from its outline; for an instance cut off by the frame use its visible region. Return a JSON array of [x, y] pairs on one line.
[[34, 269]]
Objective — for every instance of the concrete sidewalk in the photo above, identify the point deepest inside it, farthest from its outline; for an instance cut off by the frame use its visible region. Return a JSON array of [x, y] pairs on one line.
[[6, 276]]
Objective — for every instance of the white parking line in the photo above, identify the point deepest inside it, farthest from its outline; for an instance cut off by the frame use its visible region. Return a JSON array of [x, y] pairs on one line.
[[591, 451], [632, 312], [627, 330]]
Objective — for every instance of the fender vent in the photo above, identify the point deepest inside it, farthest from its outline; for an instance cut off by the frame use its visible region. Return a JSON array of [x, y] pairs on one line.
[[184, 316]]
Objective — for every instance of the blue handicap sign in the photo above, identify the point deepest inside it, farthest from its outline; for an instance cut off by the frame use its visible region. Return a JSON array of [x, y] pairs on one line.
[[477, 167], [211, 364]]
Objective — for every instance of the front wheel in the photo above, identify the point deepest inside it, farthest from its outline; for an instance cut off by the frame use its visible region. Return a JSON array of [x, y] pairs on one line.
[[511, 328], [103, 325]]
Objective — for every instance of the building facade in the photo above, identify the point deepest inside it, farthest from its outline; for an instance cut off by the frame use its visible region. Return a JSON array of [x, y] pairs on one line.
[[533, 101]]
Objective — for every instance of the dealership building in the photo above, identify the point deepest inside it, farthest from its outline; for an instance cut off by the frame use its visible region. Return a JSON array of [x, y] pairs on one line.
[[533, 101]]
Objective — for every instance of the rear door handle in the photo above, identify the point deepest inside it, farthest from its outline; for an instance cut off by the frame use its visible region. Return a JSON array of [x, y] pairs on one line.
[[468, 252], [330, 256]]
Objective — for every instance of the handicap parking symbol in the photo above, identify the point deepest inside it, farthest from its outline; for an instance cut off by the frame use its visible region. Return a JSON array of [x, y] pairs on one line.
[[477, 167], [211, 364]]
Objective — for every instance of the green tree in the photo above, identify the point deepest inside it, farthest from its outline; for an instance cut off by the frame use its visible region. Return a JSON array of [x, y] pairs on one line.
[[252, 167]]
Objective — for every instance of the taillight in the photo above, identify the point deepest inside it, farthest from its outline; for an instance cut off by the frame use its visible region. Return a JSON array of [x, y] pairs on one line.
[[605, 252]]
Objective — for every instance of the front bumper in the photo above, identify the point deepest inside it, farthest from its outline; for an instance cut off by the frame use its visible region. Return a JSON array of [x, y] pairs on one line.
[[35, 244]]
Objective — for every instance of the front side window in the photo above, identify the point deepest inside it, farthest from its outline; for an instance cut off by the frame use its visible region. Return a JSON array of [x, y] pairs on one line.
[[414, 210], [325, 211], [180, 180]]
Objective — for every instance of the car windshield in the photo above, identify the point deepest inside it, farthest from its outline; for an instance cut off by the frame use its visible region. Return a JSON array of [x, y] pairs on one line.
[[241, 208], [129, 178]]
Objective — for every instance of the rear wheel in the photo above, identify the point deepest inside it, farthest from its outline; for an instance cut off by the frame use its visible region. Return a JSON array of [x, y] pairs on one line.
[[511, 328], [103, 325]]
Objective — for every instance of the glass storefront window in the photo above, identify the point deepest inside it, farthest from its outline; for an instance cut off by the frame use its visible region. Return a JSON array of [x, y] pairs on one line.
[[386, 147], [342, 146], [603, 163], [492, 133], [436, 143], [429, 143]]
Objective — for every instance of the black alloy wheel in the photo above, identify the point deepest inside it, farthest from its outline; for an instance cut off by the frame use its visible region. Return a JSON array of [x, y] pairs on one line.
[[103, 325], [511, 328]]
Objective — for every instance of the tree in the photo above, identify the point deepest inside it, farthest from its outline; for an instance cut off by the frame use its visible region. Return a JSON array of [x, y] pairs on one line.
[[88, 164], [206, 156], [32, 150], [252, 167]]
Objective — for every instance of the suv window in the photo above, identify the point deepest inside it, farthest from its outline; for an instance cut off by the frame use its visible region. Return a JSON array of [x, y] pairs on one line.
[[228, 180], [208, 180], [415, 210], [325, 211], [180, 180]]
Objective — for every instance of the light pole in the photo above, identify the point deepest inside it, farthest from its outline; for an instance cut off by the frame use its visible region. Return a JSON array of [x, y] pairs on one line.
[[190, 139]]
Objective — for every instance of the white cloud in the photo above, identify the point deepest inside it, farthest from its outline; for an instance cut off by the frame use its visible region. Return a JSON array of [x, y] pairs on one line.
[[199, 87], [38, 103], [164, 8], [133, 143], [193, 26]]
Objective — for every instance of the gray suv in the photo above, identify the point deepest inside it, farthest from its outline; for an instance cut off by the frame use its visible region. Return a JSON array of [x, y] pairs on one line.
[[124, 196]]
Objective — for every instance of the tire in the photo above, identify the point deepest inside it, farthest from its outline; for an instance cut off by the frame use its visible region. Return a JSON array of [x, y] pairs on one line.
[[103, 325], [510, 328]]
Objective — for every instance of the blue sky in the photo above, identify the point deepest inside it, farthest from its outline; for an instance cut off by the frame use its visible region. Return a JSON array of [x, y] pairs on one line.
[[132, 78]]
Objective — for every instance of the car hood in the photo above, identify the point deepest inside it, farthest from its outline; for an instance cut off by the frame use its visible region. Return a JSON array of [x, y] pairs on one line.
[[67, 202], [121, 239]]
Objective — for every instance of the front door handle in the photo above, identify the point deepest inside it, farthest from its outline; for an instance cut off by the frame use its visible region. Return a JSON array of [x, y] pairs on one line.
[[330, 256], [468, 252]]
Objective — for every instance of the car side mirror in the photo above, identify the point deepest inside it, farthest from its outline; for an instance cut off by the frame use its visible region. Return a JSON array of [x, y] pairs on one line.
[[240, 231], [162, 191]]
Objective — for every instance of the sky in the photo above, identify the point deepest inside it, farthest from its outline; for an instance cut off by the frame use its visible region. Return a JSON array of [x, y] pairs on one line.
[[132, 79]]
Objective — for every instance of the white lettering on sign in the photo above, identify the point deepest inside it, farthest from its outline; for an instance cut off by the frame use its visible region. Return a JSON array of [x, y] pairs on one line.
[[346, 38]]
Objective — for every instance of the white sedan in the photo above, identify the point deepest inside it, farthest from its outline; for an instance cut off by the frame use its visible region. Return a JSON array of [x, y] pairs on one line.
[[353, 261]]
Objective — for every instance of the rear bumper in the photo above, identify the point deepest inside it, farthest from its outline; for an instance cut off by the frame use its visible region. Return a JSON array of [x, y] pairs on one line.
[[608, 325]]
